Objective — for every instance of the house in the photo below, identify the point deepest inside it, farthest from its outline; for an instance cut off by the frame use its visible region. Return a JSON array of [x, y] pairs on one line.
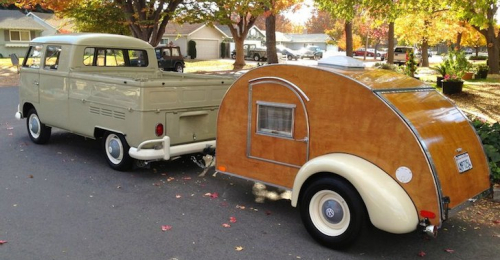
[[51, 23], [16, 31], [207, 38], [254, 36], [298, 41]]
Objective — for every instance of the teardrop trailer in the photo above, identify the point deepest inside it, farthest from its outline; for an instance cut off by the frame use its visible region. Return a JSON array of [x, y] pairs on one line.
[[352, 145]]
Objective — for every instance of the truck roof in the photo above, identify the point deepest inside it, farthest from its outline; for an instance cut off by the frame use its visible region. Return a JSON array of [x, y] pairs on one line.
[[95, 39]]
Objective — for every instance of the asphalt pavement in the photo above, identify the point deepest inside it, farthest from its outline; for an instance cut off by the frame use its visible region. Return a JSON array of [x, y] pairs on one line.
[[62, 201]]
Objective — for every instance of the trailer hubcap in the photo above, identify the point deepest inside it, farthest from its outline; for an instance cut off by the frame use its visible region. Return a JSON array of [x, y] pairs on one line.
[[332, 211], [329, 213]]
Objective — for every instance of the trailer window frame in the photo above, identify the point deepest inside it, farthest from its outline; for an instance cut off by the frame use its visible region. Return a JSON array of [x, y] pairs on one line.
[[275, 119]]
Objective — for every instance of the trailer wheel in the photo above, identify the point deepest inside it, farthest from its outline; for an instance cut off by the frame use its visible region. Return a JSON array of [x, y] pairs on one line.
[[116, 150], [332, 212], [38, 132], [256, 57]]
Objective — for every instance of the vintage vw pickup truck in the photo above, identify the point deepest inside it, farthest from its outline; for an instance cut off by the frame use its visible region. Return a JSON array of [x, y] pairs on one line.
[[109, 87], [352, 144]]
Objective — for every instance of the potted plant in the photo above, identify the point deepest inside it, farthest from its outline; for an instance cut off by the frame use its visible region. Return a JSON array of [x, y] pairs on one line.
[[482, 71], [452, 84], [441, 69]]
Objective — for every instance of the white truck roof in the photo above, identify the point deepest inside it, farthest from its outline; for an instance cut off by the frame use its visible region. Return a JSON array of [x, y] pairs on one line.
[[94, 39]]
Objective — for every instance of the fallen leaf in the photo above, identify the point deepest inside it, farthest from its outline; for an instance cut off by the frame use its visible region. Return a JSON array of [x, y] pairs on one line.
[[30, 176], [238, 248], [166, 227], [186, 178], [268, 212], [449, 250], [421, 254], [214, 195], [240, 207], [496, 221], [208, 194], [10, 128], [232, 219], [170, 179], [2, 242], [178, 196], [226, 225], [156, 184]]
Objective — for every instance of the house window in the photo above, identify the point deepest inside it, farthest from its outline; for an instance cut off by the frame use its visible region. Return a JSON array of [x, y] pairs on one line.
[[20, 36], [164, 41], [275, 119]]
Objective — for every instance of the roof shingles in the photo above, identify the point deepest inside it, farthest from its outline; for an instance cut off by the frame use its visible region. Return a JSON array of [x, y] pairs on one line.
[[12, 19]]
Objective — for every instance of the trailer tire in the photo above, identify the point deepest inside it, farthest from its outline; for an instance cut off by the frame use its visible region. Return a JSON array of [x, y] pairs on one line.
[[116, 149], [39, 133], [332, 212]]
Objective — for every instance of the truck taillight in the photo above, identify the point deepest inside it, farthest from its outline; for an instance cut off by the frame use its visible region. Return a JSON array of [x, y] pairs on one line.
[[159, 129]]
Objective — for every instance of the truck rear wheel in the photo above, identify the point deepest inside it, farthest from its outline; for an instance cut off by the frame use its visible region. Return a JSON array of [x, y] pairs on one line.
[[256, 57], [116, 150], [38, 132], [332, 212]]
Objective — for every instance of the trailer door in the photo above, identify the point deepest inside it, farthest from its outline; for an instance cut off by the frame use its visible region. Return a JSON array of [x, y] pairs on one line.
[[278, 130]]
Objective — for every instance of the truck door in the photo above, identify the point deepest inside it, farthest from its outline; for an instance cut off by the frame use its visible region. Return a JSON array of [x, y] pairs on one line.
[[30, 81], [278, 127]]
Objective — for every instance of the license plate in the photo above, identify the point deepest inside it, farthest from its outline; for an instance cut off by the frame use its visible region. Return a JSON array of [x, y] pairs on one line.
[[463, 162]]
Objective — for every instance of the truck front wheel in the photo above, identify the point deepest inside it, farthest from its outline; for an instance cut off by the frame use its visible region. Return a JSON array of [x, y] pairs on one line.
[[332, 212], [116, 150], [38, 132], [256, 57], [179, 68]]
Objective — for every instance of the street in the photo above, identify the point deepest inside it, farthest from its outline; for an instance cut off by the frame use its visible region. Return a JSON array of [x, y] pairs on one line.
[[62, 201]]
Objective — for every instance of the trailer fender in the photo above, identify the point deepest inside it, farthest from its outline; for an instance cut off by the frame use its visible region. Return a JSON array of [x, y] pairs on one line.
[[389, 206]]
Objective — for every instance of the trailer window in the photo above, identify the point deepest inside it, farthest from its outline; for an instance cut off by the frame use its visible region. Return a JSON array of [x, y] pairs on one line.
[[275, 119]]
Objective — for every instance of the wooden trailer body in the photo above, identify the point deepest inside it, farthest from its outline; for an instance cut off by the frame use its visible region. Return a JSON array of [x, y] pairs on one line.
[[401, 145]]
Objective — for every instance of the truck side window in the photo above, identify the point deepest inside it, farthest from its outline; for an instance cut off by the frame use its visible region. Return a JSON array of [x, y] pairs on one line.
[[175, 52], [32, 59], [52, 57], [138, 58], [275, 119], [88, 56]]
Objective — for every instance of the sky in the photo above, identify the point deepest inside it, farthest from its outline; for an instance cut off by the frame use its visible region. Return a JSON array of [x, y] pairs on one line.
[[303, 14]]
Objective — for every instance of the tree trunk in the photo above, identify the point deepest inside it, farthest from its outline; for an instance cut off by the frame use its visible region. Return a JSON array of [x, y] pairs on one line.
[[348, 38], [425, 53], [458, 42], [366, 46], [390, 39], [272, 57], [239, 62]]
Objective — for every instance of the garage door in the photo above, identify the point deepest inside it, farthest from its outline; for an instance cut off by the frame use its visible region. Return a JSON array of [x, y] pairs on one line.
[[207, 49]]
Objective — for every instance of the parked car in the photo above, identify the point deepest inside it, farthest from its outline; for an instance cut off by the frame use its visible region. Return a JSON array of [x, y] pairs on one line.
[[170, 58], [288, 53], [312, 52], [369, 53]]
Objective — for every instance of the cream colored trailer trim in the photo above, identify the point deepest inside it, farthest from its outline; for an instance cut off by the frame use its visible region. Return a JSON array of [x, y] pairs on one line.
[[390, 209]]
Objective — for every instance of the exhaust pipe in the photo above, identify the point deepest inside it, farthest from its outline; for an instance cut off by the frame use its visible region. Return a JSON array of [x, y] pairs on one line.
[[431, 231]]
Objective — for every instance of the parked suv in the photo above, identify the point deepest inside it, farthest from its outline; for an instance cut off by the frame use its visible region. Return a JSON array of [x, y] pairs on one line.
[[170, 58], [400, 54]]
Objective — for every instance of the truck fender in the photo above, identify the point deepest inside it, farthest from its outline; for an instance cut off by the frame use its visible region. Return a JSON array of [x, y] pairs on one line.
[[389, 206]]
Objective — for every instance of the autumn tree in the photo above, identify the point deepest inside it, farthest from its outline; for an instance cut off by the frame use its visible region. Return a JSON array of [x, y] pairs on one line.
[[471, 37], [343, 9], [480, 14], [238, 15], [320, 22]]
